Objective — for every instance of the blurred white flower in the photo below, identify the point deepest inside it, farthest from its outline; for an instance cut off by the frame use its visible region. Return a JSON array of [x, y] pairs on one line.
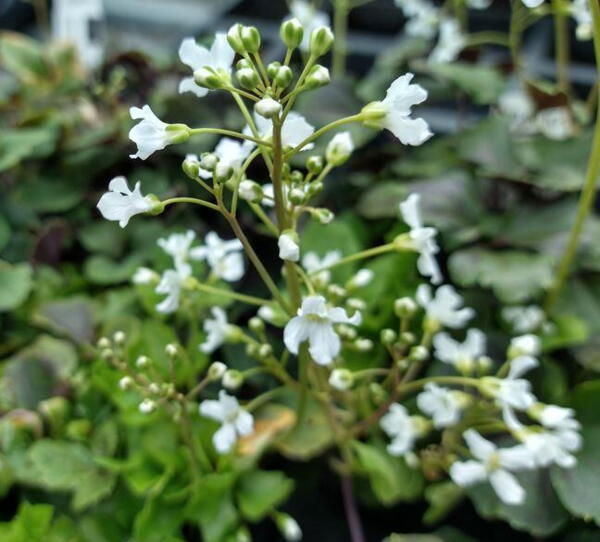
[[402, 428], [524, 319], [294, 130], [423, 239], [442, 405], [423, 17], [524, 345], [518, 106], [444, 307], [171, 284], [580, 9], [217, 329], [120, 203], [178, 246], [235, 421], [224, 257], [533, 3], [451, 42], [463, 356], [479, 4], [145, 275], [314, 323], [495, 465], [231, 153], [316, 265], [512, 391], [555, 123], [341, 379], [219, 58], [310, 19]]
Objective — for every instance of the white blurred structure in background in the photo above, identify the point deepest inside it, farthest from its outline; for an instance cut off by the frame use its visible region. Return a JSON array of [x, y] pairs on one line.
[[81, 22]]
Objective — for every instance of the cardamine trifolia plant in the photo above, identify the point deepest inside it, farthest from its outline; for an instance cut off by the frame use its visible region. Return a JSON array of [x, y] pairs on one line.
[[475, 421]]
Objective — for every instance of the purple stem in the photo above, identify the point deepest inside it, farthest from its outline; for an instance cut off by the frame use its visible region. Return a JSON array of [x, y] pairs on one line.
[[352, 515]]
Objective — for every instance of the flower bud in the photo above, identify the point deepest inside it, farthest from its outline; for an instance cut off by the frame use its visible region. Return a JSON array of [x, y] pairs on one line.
[[407, 338], [243, 63], [314, 164], [248, 78], [341, 379], [315, 188], [388, 336], [208, 161], [233, 379], [291, 33], [364, 345], [405, 307], [336, 290], [126, 383], [356, 304], [284, 76], [250, 39], [268, 108], [208, 78], [324, 216], [361, 279], [484, 364], [191, 166], [119, 337], [525, 345], [346, 332], [142, 362], [56, 411], [339, 149], [234, 38], [418, 353], [147, 406], [373, 114], [250, 191], [177, 133], [297, 196], [107, 354], [171, 350], [256, 324], [103, 342], [216, 370], [154, 388], [272, 69], [264, 351], [289, 249], [321, 40], [317, 77], [377, 393], [223, 172]]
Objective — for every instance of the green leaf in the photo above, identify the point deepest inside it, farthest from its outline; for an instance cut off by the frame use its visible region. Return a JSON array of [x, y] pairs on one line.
[[23, 56], [391, 478], [442, 497], [102, 236], [382, 200], [482, 83], [70, 466], [73, 317], [260, 492], [101, 269], [31, 524], [51, 194], [514, 276], [4, 232], [16, 281], [541, 514], [568, 330], [21, 143]]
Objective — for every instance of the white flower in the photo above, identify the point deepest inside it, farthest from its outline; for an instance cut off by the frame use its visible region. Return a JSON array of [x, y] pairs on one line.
[[533, 3], [512, 391], [479, 4], [339, 148], [294, 130], [462, 356], [450, 43], [219, 58], [423, 17], [144, 275], [580, 9], [230, 152], [362, 278], [555, 417], [147, 406], [402, 428], [444, 307], [288, 248], [341, 379], [235, 421], [151, 134], [120, 203], [223, 257], [518, 106], [310, 19], [178, 245], [441, 404], [217, 330], [423, 238], [525, 345], [317, 266], [493, 464], [555, 123], [400, 97], [315, 323], [290, 529], [524, 319], [171, 284]]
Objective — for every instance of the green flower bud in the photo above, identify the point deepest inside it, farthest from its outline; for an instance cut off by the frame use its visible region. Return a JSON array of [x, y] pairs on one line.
[[191, 166], [339, 149], [233, 379], [234, 37], [223, 172], [216, 370], [321, 41], [208, 161], [250, 38], [388, 336], [272, 69], [315, 188], [208, 78], [142, 361], [267, 108], [284, 76], [314, 164], [405, 307], [103, 342], [250, 191], [341, 379], [324, 216], [126, 383], [256, 324], [243, 63], [171, 350], [407, 338], [378, 395], [297, 196], [317, 77], [264, 351], [248, 78], [291, 33], [178, 133], [418, 353], [79, 429]]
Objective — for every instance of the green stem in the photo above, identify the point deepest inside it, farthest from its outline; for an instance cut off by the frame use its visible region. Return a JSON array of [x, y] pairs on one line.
[[516, 32], [195, 201], [263, 398], [358, 256], [229, 133], [562, 45], [589, 187], [341, 11], [250, 299], [264, 218], [488, 37], [321, 131]]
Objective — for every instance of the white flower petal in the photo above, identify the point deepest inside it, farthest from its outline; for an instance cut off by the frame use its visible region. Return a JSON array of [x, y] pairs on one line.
[[507, 487]]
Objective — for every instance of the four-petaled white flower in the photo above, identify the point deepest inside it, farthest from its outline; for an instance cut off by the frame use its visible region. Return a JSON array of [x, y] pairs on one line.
[[451, 42], [423, 17], [423, 238], [217, 330], [235, 421], [314, 323], [151, 134], [178, 246], [310, 19], [463, 356], [441, 404], [495, 465], [524, 319], [317, 266], [402, 428], [219, 58], [224, 257], [171, 284], [512, 391], [394, 111], [445, 307], [231, 153], [294, 130], [120, 203]]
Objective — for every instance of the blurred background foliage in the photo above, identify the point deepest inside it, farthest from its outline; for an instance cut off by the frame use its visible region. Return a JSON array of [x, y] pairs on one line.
[[77, 459]]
